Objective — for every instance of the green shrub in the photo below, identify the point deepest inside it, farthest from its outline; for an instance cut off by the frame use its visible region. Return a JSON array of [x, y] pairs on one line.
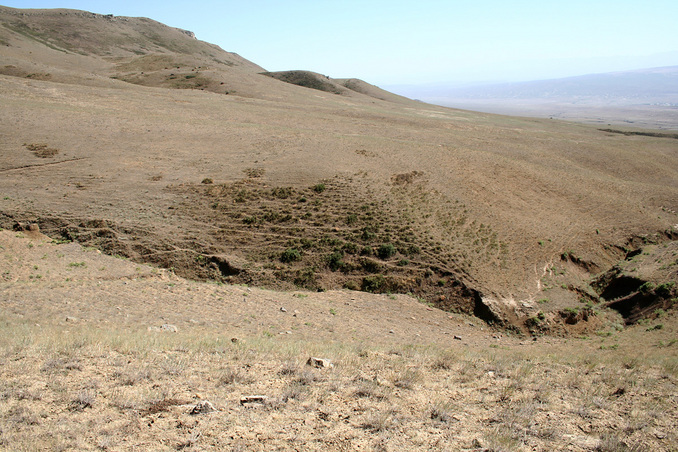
[[646, 288], [306, 277], [413, 249], [386, 251], [282, 192], [373, 283], [367, 250], [319, 188], [350, 248], [664, 290], [334, 261], [290, 255]]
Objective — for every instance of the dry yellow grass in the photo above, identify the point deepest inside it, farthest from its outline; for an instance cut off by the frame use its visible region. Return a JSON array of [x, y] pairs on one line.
[[80, 369]]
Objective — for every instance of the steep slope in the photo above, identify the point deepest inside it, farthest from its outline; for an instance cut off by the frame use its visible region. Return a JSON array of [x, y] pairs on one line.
[[283, 186]]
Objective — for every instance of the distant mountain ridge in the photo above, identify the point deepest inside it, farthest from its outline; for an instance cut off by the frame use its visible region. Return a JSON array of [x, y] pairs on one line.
[[644, 97], [653, 85]]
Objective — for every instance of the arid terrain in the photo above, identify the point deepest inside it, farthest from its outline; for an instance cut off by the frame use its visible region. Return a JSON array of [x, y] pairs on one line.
[[636, 98], [180, 226]]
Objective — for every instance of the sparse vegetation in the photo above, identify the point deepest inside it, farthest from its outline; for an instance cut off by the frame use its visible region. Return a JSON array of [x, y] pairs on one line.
[[396, 198]]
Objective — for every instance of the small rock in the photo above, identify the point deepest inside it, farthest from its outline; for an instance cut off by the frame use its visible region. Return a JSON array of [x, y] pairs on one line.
[[253, 400], [71, 319], [34, 227], [319, 363], [295, 313], [476, 444], [167, 328], [203, 408], [283, 309], [457, 337], [471, 324], [391, 331], [382, 382], [490, 373], [660, 435], [234, 340]]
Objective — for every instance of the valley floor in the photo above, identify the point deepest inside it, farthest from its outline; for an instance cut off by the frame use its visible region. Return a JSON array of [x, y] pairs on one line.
[[99, 353]]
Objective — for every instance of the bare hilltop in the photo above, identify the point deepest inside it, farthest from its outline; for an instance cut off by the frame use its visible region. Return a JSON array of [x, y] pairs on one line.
[[183, 226]]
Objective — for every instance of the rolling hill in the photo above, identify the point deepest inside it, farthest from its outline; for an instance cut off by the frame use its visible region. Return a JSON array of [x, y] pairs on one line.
[[170, 150], [197, 254]]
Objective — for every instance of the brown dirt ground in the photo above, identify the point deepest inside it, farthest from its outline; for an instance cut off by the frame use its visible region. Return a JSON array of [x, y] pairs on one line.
[[83, 369]]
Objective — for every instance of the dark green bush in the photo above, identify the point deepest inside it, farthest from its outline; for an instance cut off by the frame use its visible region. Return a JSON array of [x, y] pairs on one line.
[[290, 255], [373, 283], [386, 251]]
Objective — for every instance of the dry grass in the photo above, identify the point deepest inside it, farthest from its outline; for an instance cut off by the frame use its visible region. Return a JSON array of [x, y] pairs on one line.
[[472, 204], [137, 389]]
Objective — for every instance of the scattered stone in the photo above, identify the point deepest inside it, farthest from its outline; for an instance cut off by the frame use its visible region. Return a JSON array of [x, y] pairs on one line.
[[166, 328], [234, 340], [660, 435], [253, 400], [490, 373], [295, 313], [283, 309], [381, 381], [203, 408], [33, 227], [457, 337], [319, 363], [584, 442], [476, 444], [391, 331], [71, 319], [471, 324]]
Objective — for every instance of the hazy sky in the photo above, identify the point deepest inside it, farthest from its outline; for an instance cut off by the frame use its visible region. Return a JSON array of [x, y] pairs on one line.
[[425, 41]]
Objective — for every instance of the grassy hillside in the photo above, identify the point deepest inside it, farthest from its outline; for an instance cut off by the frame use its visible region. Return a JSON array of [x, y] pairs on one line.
[[180, 235], [169, 150]]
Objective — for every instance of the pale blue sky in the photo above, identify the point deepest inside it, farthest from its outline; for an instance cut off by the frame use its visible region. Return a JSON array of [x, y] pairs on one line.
[[424, 41]]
